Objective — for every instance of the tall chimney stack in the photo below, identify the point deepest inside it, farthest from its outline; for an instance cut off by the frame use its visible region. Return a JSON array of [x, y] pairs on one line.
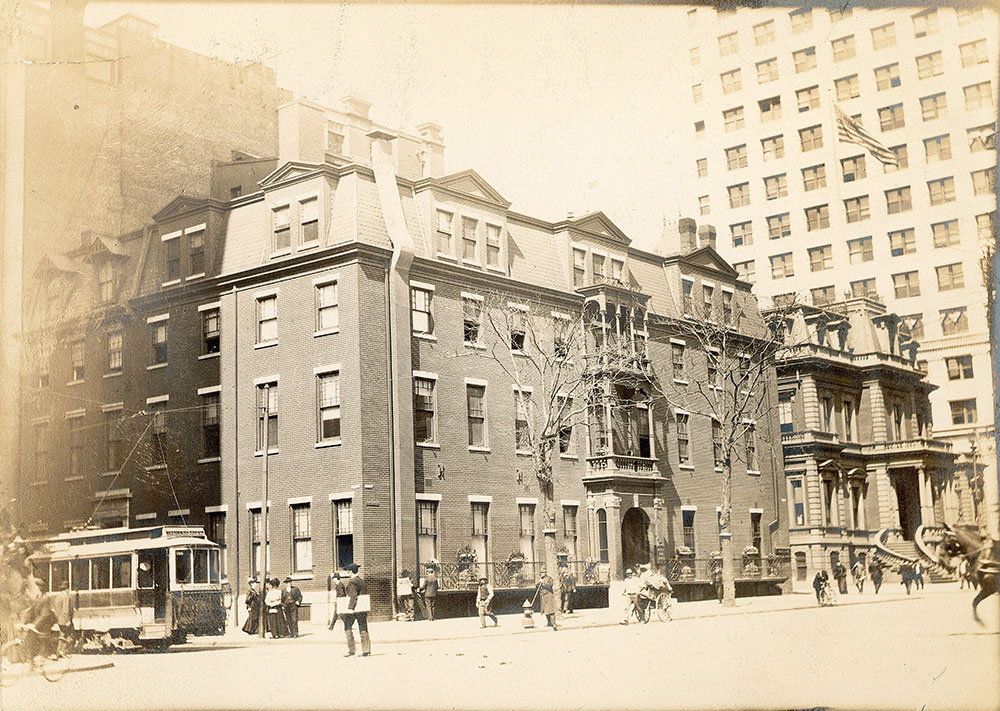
[[687, 230], [706, 236]]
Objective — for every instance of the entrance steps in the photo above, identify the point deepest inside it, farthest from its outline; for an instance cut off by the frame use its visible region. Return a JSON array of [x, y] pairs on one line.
[[908, 549]]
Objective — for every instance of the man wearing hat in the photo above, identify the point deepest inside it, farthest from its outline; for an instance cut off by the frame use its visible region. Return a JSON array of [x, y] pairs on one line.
[[291, 598], [430, 590], [484, 601], [357, 609], [631, 593]]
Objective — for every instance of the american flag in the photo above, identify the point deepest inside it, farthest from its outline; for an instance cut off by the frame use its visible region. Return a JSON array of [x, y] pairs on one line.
[[850, 131]]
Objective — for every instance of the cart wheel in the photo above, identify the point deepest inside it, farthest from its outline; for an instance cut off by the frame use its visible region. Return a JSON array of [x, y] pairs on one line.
[[663, 607]]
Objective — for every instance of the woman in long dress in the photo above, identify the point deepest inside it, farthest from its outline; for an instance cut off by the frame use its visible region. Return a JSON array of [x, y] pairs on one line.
[[253, 608], [547, 596], [276, 624]]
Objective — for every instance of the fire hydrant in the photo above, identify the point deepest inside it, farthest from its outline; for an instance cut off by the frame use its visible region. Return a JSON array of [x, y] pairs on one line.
[[527, 622]]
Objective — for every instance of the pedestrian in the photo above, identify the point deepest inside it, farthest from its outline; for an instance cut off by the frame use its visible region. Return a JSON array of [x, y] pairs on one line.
[[253, 607], [274, 620], [840, 573], [963, 573], [918, 575], [358, 605], [819, 581], [337, 588], [717, 580], [906, 576], [291, 599], [875, 571], [631, 593], [858, 573], [430, 591], [568, 590], [547, 596], [404, 594], [484, 602]]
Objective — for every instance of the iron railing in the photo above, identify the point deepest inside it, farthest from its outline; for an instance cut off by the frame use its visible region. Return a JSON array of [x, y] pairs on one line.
[[622, 462], [699, 570], [515, 574]]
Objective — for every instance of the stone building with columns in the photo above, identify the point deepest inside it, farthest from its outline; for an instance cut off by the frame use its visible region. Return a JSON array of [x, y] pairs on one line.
[[860, 461]]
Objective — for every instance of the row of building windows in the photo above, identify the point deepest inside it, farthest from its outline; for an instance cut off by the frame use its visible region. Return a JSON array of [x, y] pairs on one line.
[[195, 238], [479, 244], [306, 233]]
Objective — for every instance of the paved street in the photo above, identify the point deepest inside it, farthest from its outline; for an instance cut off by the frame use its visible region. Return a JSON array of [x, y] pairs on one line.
[[885, 652]]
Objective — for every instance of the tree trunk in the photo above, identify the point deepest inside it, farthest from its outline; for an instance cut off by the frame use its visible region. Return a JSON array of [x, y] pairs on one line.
[[726, 538]]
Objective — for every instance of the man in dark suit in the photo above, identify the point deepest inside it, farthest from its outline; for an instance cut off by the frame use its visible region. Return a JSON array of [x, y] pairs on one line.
[[291, 598], [355, 589], [430, 591]]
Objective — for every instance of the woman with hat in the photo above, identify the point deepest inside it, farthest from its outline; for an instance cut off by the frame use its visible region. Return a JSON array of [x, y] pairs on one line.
[[547, 596], [275, 620], [484, 601], [253, 607]]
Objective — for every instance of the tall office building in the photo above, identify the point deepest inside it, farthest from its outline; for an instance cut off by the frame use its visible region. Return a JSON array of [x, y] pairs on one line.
[[803, 213]]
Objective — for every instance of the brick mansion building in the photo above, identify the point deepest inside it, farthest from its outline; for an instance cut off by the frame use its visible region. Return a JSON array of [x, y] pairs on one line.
[[332, 317]]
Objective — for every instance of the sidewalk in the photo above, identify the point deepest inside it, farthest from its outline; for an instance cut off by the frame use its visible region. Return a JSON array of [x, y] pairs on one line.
[[393, 632]]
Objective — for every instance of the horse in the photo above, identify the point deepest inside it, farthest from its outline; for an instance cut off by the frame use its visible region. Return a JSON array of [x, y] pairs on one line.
[[982, 554]]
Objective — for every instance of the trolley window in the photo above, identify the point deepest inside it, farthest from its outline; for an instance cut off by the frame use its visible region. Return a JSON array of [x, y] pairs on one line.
[[60, 574], [213, 566], [100, 573], [81, 574], [41, 571], [121, 571], [182, 562], [201, 565]]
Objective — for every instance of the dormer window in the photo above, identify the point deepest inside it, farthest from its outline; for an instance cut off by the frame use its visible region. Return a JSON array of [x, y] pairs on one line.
[[282, 229], [492, 246], [598, 265], [106, 281], [309, 216], [579, 267], [196, 248], [173, 259], [469, 239], [687, 293], [444, 232], [618, 270]]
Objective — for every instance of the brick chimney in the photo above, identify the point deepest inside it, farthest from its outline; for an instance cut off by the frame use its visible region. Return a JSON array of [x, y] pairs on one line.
[[687, 231], [432, 152], [706, 236]]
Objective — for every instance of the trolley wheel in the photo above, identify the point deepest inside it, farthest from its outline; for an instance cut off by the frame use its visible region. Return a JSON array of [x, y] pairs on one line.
[[663, 607]]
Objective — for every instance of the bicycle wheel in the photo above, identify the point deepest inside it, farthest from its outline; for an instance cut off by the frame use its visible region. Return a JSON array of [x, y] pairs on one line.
[[54, 669], [663, 607]]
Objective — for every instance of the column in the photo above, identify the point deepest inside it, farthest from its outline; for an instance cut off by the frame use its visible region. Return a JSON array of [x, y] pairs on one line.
[[658, 537], [591, 529], [888, 508], [613, 505], [926, 503]]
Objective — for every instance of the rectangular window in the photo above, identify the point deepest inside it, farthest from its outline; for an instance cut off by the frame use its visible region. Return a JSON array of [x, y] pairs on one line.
[[843, 48], [811, 138], [687, 297], [782, 266], [687, 528], [677, 358], [75, 425], [821, 258], [847, 87], [736, 157], [984, 181], [973, 53], [778, 226], [887, 77], [328, 399], [747, 271], [114, 362], [267, 319], [767, 70], [857, 209], [906, 284], [472, 310], [739, 195], [915, 322], [522, 413], [173, 247], [469, 241], [106, 281], [40, 451], [579, 267], [978, 96], [216, 530], [444, 236], [954, 321], [731, 81], [937, 148], [424, 420], [733, 119], [158, 337], [210, 331], [817, 217], [728, 44], [420, 310], [933, 106], [492, 245], [929, 65], [597, 268], [775, 186], [476, 402], [427, 530], [309, 216], [718, 455], [864, 288], [853, 168], [301, 538], [801, 19], [902, 159], [798, 503], [814, 177], [884, 36], [727, 307], [282, 228], [480, 519], [112, 439], [196, 247], [984, 226], [566, 442], [959, 367], [925, 23], [773, 147], [695, 54], [963, 412], [696, 93], [860, 250], [210, 440], [750, 445], [327, 307], [526, 535], [267, 422], [78, 360], [982, 138], [945, 233], [704, 208], [708, 301], [701, 164], [968, 14], [823, 295], [699, 129], [891, 117], [756, 538], [343, 527], [950, 276], [683, 442], [805, 59], [763, 33], [942, 190], [902, 242], [569, 529], [898, 200]]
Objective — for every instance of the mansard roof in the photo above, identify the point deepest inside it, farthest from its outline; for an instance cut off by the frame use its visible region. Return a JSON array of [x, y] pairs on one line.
[[291, 170], [707, 258], [596, 223], [469, 182]]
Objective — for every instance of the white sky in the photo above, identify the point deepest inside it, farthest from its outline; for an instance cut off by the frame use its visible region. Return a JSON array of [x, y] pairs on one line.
[[560, 108]]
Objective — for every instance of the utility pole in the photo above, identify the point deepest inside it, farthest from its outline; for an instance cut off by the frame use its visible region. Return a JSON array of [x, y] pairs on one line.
[[266, 395]]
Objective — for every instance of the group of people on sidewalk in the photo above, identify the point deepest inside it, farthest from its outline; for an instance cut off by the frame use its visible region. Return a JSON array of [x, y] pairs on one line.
[[910, 574], [281, 608]]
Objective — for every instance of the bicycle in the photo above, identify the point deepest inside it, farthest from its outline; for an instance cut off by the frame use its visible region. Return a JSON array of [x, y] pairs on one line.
[[826, 597], [52, 666]]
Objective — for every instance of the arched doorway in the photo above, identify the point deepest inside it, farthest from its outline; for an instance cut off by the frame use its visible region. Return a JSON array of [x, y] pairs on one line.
[[635, 538]]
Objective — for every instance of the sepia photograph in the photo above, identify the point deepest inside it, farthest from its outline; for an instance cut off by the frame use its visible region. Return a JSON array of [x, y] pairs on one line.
[[499, 355]]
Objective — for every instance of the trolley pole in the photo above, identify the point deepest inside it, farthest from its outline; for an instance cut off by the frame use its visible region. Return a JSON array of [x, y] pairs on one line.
[[263, 508]]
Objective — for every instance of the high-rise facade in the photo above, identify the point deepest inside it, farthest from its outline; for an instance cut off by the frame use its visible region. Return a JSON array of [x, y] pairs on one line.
[[802, 213]]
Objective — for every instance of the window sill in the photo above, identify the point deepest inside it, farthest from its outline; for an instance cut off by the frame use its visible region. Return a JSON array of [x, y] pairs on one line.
[[519, 353], [753, 472], [116, 472], [300, 576], [496, 269], [209, 460], [311, 244], [476, 346], [74, 382], [206, 356], [481, 450], [428, 445], [199, 275], [260, 453], [156, 366], [472, 263], [73, 478], [327, 443], [172, 282], [281, 253], [522, 452], [326, 332], [112, 375], [425, 336], [442, 255], [686, 467], [572, 457], [265, 344], [681, 382]]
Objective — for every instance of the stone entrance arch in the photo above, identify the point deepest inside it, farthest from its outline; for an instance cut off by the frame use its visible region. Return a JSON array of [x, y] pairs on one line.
[[635, 538]]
